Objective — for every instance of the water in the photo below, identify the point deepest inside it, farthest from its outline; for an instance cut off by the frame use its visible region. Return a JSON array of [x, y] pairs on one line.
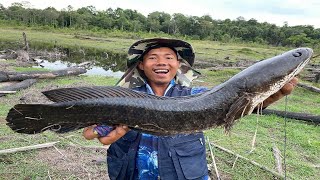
[[91, 68]]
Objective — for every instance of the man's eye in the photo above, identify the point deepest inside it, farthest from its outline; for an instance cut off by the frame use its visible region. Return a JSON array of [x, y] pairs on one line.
[[151, 57], [169, 57]]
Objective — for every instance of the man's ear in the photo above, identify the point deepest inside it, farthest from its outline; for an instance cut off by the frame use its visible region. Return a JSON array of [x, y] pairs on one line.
[[140, 65]]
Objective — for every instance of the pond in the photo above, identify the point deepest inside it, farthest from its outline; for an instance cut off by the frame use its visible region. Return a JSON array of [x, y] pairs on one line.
[[92, 68]]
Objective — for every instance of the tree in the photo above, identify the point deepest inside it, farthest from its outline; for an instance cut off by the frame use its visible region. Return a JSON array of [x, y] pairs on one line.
[[299, 40]]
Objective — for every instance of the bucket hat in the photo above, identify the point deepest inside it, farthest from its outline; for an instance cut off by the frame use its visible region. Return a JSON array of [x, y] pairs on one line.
[[133, 77]]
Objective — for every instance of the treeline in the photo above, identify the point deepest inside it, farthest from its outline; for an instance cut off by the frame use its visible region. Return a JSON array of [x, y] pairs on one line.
[[204, 27]]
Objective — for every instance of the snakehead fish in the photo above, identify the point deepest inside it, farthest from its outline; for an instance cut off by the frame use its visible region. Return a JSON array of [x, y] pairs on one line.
[[79, 107]]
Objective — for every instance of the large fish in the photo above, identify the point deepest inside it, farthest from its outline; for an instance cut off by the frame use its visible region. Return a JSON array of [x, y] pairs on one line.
[[76, 108]]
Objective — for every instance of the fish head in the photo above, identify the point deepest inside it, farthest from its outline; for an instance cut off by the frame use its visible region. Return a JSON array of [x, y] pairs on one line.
[[267, 77]]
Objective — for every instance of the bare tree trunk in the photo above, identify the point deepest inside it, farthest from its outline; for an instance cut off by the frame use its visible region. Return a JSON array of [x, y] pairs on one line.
[[26, 44], [23, 54]]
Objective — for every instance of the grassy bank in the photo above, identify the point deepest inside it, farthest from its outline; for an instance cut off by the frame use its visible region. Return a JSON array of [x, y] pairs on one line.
[[69, 160]]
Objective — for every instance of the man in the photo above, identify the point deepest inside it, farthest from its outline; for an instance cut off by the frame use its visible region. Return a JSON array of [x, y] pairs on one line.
[[162, 67]]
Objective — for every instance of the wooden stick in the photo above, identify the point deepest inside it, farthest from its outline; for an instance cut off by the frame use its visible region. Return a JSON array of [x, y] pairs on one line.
[[234, 162], [26, 148], [277, 156], [246, 159], [213, 160], [7, 92]]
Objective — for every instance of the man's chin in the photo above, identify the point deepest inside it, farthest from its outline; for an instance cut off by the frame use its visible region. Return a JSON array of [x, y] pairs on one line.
[[162, 83]]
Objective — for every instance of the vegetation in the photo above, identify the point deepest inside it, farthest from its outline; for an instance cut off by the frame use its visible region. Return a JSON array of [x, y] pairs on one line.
[[104, 36], [204, 27]]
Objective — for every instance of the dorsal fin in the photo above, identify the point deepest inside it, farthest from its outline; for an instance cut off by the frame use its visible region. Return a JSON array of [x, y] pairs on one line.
[[94, 92]]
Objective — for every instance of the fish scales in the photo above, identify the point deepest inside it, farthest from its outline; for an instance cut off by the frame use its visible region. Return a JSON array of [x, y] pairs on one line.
[[76, 108]]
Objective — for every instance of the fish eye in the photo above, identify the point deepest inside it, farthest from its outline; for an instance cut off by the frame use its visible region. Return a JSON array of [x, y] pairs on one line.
[[297, 54]]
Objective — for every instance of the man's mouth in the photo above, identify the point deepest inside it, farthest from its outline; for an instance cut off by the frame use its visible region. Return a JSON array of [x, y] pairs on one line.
[[161, 71]]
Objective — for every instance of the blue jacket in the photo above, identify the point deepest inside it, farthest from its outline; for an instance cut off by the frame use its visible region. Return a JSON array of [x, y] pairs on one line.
[[179, 157]]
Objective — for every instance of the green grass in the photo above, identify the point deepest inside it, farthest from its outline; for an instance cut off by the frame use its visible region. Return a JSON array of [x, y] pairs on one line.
[[27, 69], [302, 149], [303, 139]]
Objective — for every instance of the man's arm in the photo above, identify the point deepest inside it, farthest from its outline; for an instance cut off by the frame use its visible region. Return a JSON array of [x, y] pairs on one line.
[[285, 90]]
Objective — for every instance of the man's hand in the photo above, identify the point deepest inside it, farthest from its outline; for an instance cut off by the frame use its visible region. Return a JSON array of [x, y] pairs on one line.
[[285, 90], [88, 132], [117, 132]]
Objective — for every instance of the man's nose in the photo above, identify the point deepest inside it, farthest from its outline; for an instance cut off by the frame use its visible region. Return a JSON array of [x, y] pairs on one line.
[[162, 61]]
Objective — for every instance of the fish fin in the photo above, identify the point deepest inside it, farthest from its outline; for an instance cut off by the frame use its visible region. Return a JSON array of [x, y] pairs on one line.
[[94, 92], [236, 111]]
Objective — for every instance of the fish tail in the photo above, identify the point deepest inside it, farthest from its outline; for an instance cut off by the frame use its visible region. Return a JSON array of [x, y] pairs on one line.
[[35, 118]]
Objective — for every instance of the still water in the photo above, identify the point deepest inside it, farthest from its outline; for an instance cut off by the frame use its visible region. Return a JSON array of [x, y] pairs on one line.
[[91, 68]]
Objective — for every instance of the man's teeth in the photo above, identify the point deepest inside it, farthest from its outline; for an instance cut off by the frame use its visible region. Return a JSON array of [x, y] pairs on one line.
[[161, 71]]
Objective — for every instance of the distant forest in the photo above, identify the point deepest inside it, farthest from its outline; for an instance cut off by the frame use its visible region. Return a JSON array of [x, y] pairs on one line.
[[204, 27]]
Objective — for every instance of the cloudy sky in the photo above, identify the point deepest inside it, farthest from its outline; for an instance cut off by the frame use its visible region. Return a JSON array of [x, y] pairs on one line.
[[295, 12]]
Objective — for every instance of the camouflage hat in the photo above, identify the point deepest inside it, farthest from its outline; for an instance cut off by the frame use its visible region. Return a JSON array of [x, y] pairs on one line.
[[185, 74]]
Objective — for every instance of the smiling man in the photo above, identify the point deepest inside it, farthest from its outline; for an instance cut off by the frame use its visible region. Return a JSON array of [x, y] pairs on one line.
[[162, 67]]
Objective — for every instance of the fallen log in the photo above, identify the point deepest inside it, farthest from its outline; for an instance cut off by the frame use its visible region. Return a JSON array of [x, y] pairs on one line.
[[293, 115], [3, 76], [224, 68], [18, 86], [309, 87], [19, 76]]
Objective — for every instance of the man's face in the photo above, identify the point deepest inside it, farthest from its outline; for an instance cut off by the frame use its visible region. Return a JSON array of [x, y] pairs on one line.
[[160, 65]]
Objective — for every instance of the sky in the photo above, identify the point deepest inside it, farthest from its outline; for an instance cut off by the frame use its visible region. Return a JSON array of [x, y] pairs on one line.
[[294, 12]]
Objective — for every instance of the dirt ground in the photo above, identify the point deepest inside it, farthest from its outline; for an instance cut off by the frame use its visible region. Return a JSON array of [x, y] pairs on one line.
[[78, 162]]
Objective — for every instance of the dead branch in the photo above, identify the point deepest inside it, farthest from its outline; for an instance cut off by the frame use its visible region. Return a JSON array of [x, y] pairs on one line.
[[246, 159], [26, 148], [293, 115]]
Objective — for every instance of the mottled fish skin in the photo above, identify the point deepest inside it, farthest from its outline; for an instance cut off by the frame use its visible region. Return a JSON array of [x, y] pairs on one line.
[[80, 107]]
